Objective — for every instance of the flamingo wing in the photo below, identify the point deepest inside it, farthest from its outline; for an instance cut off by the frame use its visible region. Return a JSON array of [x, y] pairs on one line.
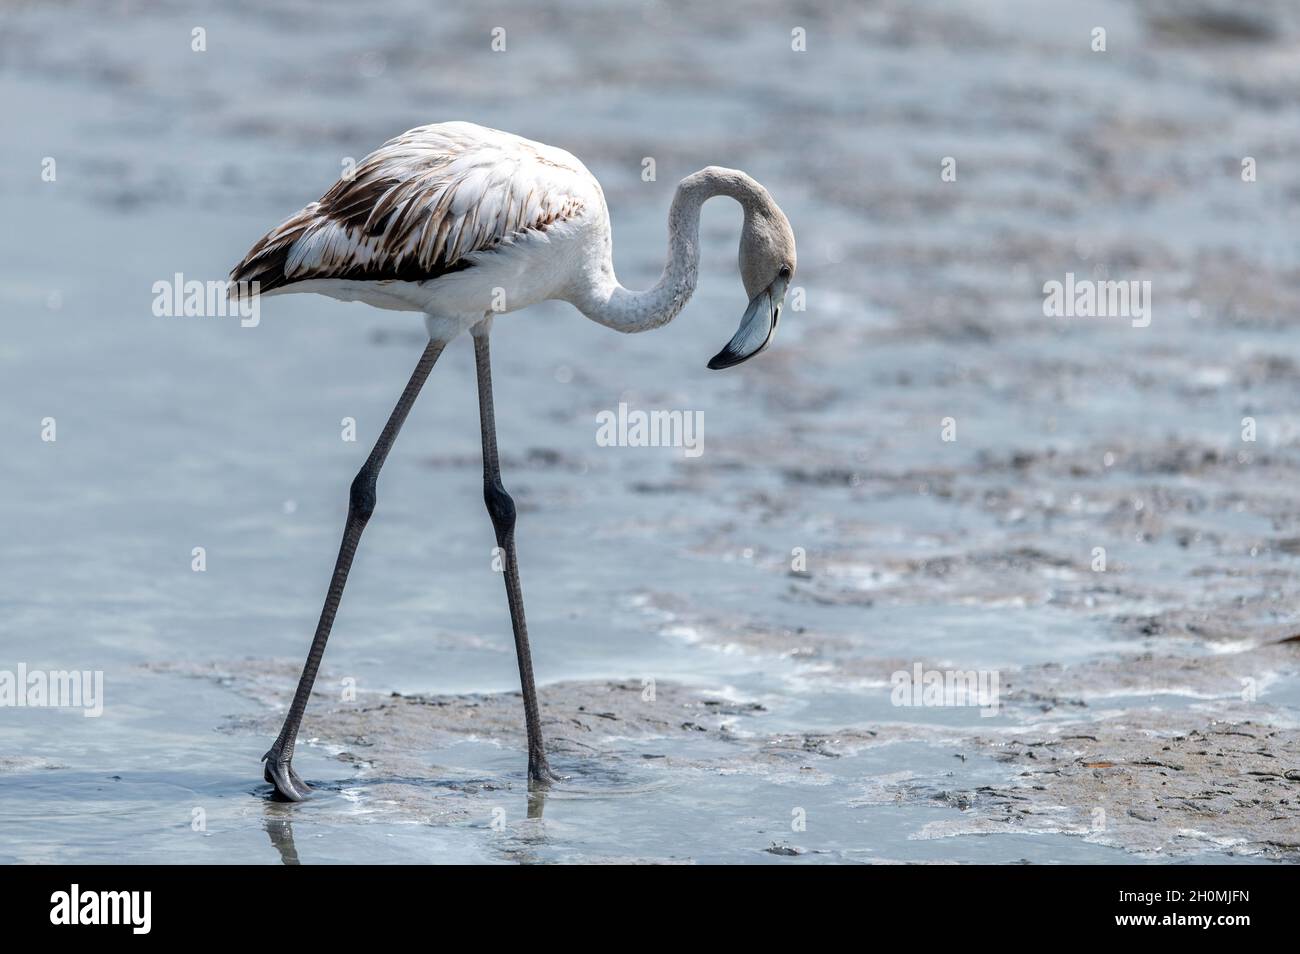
[[420, 206]]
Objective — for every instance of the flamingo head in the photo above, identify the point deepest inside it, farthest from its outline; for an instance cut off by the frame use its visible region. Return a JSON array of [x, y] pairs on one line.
[[767, 263]]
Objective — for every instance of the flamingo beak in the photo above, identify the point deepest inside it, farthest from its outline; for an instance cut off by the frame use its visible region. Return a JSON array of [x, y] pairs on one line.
[[757, 327]]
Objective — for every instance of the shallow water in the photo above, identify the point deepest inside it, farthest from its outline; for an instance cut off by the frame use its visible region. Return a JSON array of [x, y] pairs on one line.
[[924, 301]]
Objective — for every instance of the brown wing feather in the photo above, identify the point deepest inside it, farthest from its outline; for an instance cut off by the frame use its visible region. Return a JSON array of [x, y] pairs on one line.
[[417, 207]]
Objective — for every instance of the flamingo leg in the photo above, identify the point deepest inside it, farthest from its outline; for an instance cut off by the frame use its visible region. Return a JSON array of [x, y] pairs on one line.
[[361, 504], [501, 508]]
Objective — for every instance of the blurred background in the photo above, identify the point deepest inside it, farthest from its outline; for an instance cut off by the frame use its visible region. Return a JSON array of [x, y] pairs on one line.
[[642, 567]]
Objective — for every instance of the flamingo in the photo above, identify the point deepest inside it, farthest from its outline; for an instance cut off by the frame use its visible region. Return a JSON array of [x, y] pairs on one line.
[[461, 223]]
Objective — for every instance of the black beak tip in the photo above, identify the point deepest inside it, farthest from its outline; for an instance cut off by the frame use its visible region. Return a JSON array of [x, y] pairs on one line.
[[723, 359]]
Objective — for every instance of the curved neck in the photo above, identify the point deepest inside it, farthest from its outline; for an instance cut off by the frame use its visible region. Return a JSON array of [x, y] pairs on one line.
[[606, 301]]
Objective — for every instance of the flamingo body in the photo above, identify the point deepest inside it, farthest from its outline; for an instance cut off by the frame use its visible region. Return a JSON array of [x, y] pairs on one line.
[[451, 219]]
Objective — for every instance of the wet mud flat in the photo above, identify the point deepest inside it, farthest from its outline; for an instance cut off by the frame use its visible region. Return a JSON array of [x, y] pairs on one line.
[[1154, 783]]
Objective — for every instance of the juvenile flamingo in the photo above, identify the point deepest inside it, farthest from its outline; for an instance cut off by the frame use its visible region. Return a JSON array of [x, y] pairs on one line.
[[461, 223]]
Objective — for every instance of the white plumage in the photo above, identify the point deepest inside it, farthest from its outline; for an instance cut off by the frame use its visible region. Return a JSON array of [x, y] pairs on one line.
[[433, 202]]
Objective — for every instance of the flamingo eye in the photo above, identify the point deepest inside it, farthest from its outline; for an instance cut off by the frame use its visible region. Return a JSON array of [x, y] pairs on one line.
[[784, 272]]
